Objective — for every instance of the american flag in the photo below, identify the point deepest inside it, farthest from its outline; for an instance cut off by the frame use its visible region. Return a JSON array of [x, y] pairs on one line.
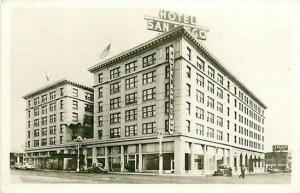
[[105, 52], [47, 77]]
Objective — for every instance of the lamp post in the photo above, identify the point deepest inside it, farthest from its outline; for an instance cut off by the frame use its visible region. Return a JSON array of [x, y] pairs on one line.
[[160, 156], [78, 142]]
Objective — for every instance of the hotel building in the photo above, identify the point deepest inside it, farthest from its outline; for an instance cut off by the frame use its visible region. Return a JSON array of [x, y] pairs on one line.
[[50, 111], [217, 119]]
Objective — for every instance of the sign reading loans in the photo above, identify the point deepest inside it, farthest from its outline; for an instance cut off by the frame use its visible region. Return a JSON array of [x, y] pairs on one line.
[[169, 20]]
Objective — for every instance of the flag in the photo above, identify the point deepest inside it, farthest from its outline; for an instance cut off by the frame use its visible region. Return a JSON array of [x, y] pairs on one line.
[[47, 77], [105, 52]]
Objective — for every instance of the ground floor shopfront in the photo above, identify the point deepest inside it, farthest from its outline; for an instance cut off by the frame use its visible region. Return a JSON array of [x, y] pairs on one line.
[[179, 155]]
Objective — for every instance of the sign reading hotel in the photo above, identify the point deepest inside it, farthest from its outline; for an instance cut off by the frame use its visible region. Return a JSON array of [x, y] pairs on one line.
[[171, 94], [169, 20], [280, 148]]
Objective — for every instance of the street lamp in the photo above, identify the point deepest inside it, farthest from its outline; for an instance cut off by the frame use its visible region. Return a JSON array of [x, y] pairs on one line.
[[160, 156], [78, 142]]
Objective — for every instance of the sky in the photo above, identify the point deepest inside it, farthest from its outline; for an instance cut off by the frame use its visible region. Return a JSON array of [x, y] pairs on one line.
[[254, 43]]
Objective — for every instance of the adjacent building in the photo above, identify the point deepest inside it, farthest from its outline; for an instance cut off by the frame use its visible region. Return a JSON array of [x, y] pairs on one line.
[[217, 119], [56, 114]]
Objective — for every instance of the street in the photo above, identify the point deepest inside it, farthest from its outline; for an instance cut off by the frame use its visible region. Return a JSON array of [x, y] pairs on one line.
[[26, 176]]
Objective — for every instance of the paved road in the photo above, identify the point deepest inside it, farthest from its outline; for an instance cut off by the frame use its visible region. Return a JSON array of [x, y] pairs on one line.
[[21, 176]]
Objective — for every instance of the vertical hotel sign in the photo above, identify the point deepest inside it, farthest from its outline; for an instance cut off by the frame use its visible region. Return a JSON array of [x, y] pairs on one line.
[[171, 94], [169, 20]]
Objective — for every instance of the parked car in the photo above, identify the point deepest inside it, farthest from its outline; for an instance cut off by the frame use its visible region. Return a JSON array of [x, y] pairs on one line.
[[28, 166], [97, 168], [17, 166], [223, 170]]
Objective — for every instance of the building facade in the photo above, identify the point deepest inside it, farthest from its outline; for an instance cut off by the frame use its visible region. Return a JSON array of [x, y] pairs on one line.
[[51, 111], [217, 120]]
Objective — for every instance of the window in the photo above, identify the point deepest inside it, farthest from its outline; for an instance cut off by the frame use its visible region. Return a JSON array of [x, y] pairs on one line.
[[228, 85], [61, 116], [28, 113], [188, 89], [44, 131], [52, 140], [115, 73], [210, 87], [211, 72], [149, 128], [28, 144], [100, 134], [200, 80], [210, 132], [130, 83], [75, 104], [149, 94], [220, 121], [228, 98], [61, 91], [167, 90], [199, 113], [167, 107], [29, 103], [200, 96], [149, 77], [36, 143], [36, 101], [115, 88], [44, 142], [149, 111], [200, 64], [61, 128], [36, 133], [100, 106], [167, 71], [100, 121], [188, 107], [210, 117], [130, 67], [100, 77], [44, 120], [75, 92], [220, 107], [61, 139], [219, 135], [52, 107], [75, 117], [220, 79], [44, 98], [189, 53], [210, 102], [115, 103], [52, 130], [149, 60], [100, 91], [227, 137], [36, 112], [61, 104], [130, 130], [199, 129], [115, 132], [88, 96], [131, 98], [28, 124], [188, 125], [168, 51], [220, 93], [130, 114], [36, 122], [115, 118], [188, 71], [52, 118]]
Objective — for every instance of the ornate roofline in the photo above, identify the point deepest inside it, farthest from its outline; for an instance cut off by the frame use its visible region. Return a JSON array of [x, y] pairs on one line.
[[54, 85], [181, 30]]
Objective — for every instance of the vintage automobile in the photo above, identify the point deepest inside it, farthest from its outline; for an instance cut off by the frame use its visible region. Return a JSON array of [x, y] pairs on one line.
[[223, 170], [28, 166], [96, 168], [17, 166]]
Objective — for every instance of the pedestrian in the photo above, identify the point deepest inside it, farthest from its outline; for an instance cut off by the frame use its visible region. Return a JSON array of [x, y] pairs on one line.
[[229, 172], [242, 172]]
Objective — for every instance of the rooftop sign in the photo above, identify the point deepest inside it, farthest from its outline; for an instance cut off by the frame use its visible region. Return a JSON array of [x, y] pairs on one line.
[[169, 20], [280, 148]]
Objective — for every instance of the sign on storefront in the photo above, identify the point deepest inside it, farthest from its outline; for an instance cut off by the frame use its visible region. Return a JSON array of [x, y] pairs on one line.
[[169, 20], [280, 148]]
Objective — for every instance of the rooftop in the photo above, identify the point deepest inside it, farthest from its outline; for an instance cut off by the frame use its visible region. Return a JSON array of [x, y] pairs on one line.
[[54, 85], [179, 31]]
